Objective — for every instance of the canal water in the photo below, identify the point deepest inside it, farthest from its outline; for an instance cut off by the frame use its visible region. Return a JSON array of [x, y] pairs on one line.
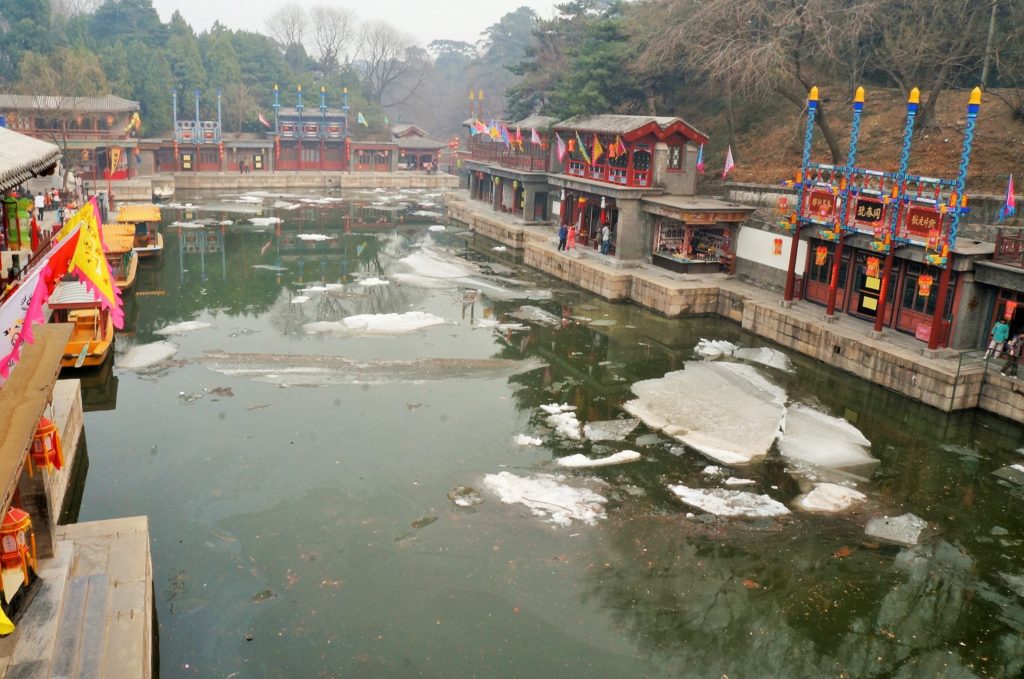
[[322, 399]]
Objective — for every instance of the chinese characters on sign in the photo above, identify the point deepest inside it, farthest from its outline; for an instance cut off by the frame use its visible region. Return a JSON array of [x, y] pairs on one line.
[[868, 211], [821, 204], [919, 221]]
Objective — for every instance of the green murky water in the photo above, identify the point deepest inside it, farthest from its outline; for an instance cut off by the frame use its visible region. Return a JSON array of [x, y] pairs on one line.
[[305, 531]]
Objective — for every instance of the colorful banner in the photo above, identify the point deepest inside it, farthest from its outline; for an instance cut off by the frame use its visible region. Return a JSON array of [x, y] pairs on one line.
[[15, 323], [560, 147], [91, 267]]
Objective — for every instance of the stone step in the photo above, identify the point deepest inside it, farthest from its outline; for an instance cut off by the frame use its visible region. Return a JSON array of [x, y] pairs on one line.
[[35, 636]]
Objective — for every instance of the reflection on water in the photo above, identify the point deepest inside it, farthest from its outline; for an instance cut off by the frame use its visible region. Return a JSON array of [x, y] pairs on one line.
[[308, 531]]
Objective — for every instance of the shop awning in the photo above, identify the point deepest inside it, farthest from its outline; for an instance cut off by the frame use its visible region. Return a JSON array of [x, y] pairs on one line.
[[23, 157], [696, 209]]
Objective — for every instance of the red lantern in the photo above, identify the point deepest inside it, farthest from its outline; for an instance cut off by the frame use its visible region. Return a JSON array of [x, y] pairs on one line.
[[17, 541], [872, 268], [46, 448], [924, 285], [820, 255], [777, 247], [783, 205]]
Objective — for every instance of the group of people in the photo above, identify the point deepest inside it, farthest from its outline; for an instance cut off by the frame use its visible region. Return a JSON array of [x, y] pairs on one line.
[[1001, 344], [567, 238]]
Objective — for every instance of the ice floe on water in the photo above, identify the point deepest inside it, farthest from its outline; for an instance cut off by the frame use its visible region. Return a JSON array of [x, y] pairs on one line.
[[265, 221], [699, 404], [524, 440], [432, 264], [300, 299], [465, 496], [773, 358], [548, 496], [829, 498], [734, 503], [620, 457], [437, 227], [714, 348], [905, 529], [270, 267], [820, 439], [610, 430], [562, 418], [535, 314], [372, 282], [147, 355], [314, 237], [734, 481], [183, 327], [376, 324], [499, 248]]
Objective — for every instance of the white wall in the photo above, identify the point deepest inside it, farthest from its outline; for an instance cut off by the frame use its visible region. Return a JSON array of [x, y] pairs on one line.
[[759, 246]]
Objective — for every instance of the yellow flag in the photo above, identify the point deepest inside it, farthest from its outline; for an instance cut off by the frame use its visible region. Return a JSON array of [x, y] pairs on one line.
[[6, 626], [115, 158], [598, 149], [90, 266]]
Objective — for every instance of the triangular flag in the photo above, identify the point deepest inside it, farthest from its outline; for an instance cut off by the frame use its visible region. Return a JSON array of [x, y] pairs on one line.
[[582, 148], [617, 148], [700, 159], [1009, 208], [534, 137], [361, 120], [263, 121], [519, 138], [729, 164], [505, 136], [560, 147], [493, 131], [598, 149]]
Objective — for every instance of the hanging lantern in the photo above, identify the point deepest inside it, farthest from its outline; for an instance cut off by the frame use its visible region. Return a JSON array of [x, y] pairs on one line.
[[582, 201], [220, 150], [872, 268], [604, 213], [924, 285], [783, 205], [515, 184], [17, 541], [820, 255], [110, 120], [46, 448]]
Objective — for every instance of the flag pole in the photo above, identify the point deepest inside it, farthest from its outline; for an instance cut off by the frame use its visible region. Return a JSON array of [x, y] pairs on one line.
[[812, 111], [844, 197]]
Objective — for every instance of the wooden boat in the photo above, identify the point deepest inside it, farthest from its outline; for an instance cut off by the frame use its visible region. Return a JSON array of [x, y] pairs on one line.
[[145, 220], [93, 334], [119, 241]]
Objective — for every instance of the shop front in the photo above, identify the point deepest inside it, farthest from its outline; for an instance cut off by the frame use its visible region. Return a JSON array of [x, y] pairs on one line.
[[589, 213], [694, 235]]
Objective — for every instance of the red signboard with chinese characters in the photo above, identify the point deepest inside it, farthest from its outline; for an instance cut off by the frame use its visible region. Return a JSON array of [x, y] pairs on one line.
[[919, 222], [868, 211], [821, 204]]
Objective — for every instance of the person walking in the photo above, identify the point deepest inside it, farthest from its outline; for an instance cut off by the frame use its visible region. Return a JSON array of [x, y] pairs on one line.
[[563, 233], [571, 238], [1000, 333], [1013, 348], [606, 239], [40, 205]]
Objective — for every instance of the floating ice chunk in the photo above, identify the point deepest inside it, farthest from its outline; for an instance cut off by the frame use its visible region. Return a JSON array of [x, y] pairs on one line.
[[265, 221], [427, 213], [314, 288], [147, 355], [547, 496], [583, 461], [565, 424], [817, 438], [300, 299], [555, 408], [250, 199], [698, 406], [187, 225], [734, 481], [430, 263], [372, 282], [905, 529], [316, 237], [713, 348], [226, 222], [528, 312], [510, 327], [464, 496], [773, 358], [610, 430], [524, 440], [712, 470], [603, 323], [284, 205], [499, 248], [829, 498], [486, 323], [724, 502], [377, 324], [269, 267], [436, 227], [183, 327]]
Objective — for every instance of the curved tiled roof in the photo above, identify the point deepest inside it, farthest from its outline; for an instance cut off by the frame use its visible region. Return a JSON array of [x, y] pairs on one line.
[[23, 157], [31, 102], [625, 124]]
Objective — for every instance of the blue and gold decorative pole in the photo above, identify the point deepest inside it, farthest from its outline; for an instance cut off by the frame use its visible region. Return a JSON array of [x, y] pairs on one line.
[[844, 198], [812, 112], [913, 103], [958, 203]]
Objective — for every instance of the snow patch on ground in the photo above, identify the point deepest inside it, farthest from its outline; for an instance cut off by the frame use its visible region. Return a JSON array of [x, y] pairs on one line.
[[820, 439], [183, 327], [724, 502], [621, 457], [698, 406], [147, 355], [829, 498], [547, 496]]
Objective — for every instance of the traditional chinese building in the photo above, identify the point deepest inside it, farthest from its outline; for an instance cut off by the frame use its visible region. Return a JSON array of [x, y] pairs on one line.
[[416, 150], [98, 135], [311, 140]]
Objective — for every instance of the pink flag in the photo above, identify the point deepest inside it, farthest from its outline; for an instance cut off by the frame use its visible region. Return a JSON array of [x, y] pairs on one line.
[[729, 164], [534, 137], [264, 121], [700, 159], [1009, 208], [560, 147]]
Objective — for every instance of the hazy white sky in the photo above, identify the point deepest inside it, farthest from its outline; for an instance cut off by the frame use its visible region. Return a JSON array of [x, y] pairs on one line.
[[425, 19]]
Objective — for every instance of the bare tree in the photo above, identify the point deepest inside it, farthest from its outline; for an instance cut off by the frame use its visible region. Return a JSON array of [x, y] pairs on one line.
[[765, 47], [288, 25], [331, 36], [393, 66]]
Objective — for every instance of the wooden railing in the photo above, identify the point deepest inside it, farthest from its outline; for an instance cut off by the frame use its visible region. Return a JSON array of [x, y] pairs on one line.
[[1009, 248]]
